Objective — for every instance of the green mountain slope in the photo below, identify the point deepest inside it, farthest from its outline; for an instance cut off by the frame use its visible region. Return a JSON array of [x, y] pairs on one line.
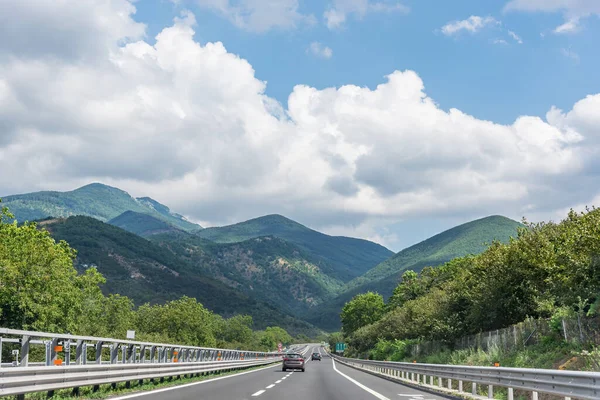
[[343, 258], [267, 268], [95, 200], [148, 272], [470, 238], [141, 224]]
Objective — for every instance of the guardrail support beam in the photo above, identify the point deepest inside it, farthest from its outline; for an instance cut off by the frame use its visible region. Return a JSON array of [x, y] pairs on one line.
[[24, 356]]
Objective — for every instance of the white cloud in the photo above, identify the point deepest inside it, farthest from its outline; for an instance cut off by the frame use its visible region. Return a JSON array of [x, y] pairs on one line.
[[319, 50], [259, 15], [191, 126], [473, 24], [516, 37], [571, 26], [573, 10], [337, 14], [500, 41]]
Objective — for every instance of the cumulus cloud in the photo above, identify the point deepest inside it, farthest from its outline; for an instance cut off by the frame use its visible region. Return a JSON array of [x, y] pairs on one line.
[[336, 15], [259, 15], [473, 24], [573, 10], [319, 50], [191, 125]]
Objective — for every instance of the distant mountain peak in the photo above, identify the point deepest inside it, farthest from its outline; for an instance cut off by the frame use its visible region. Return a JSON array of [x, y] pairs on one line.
[[95, 200], [98, 186]]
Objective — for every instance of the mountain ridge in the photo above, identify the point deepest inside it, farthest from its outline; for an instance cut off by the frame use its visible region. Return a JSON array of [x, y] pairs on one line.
[[94, 200], [346, 257]]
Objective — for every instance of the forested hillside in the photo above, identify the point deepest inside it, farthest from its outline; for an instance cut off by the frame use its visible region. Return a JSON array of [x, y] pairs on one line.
[[552, 270], [267, 268], [470, 238], [147, 272], [342, 258]]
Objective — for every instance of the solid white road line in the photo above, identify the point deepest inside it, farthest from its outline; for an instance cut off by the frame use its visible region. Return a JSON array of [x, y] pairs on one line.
[[271, 386], [131, 396], [360, 385], [259, 393]]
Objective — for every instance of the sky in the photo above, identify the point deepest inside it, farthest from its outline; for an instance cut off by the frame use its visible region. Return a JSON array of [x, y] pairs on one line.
[[381, 119]]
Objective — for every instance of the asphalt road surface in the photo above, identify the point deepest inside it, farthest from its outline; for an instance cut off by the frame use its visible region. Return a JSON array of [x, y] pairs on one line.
[[322, 380]]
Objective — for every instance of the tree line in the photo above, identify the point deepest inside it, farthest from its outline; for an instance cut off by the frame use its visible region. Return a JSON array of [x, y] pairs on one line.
[[550, 270], [41, 290]]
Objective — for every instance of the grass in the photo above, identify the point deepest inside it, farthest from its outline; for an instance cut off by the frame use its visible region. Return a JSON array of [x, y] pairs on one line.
[[106, 391]]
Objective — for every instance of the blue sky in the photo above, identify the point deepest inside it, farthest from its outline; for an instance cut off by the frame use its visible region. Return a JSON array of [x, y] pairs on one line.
[[389, 120], [467, 71]]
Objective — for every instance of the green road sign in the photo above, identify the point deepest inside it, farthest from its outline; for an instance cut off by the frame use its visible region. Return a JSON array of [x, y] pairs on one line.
[[339, 347]]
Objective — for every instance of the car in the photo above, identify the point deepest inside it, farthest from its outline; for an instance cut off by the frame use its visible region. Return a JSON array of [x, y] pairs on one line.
[[293, 361], [316, 356]]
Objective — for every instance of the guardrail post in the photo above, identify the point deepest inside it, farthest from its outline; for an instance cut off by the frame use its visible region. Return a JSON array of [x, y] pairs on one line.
[[474, 389], [99, 352], [24, 356], [431, 380], [449, 383], [510, 394], [460, 386], [114, 355], [67, 350], [142, 354], [439, 381], [79, 352], [534, 395], [0, 351], [490, 391]]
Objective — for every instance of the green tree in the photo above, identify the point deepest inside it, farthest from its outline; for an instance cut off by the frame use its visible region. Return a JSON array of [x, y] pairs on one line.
[[362, 310], [180, 321], [409, 288], [39, 287]]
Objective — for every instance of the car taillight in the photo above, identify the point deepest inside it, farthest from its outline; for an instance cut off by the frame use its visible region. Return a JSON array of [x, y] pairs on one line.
[[286, 359]]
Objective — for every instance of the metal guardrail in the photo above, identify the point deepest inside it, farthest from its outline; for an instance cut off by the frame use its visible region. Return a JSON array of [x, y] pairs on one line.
[[67, 363], [568, 384]]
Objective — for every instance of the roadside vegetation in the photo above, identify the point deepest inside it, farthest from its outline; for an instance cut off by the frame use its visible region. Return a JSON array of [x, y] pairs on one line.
[[549, 271], [41, 290]]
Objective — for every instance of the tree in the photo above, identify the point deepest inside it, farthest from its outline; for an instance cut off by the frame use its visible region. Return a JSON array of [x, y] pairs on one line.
[[409, 288], [236, 331], [182, 321], [362, 310], [39, 287]]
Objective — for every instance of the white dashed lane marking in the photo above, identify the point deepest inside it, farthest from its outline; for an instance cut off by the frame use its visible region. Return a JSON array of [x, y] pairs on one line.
[[270, 386], [259, 393], [279, 381]]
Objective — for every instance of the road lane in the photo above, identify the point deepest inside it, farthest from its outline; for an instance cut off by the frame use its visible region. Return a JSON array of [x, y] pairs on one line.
[[322, 380]]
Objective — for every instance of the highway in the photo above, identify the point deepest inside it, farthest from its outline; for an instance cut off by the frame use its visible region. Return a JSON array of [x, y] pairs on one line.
[[322, 380]]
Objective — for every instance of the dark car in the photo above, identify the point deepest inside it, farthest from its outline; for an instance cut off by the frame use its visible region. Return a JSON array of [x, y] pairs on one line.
[[293, 361], [316, 356]]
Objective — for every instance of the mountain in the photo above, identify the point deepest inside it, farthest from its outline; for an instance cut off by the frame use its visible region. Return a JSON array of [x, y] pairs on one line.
[[343, 258], [267, 268], [470, 238], [95, 200], [141, 224], [148, 272]]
